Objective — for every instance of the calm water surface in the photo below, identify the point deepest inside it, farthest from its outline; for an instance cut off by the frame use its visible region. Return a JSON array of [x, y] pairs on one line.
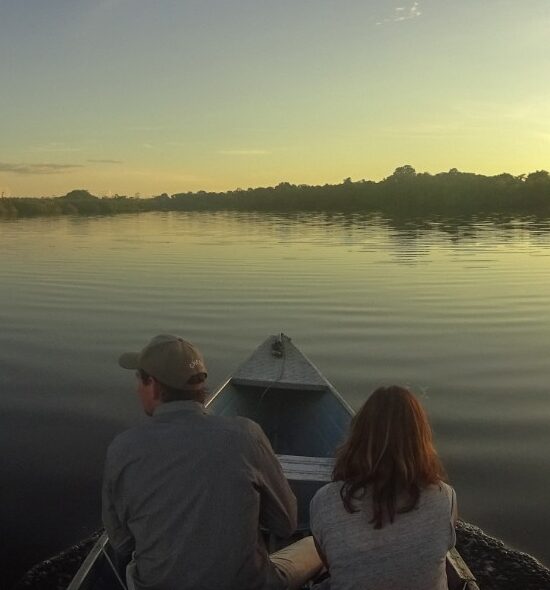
[[460, 312]]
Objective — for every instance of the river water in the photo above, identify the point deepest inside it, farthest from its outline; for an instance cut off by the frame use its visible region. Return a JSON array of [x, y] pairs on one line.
[[458, 311]]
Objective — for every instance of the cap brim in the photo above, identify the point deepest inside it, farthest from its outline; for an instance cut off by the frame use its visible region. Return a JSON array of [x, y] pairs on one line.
[[129, 360]]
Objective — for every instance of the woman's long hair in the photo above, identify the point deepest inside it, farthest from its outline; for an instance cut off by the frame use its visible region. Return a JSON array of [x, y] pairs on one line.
[[390, 451]]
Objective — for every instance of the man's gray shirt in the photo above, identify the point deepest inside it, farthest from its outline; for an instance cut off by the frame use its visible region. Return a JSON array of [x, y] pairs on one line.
[[188, 491]]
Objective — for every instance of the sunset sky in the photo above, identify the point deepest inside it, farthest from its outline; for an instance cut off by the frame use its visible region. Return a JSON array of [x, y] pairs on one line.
[[152, 96]]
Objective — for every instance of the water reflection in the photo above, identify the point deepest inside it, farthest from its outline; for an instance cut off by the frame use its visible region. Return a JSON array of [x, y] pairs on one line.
[[457, 308]]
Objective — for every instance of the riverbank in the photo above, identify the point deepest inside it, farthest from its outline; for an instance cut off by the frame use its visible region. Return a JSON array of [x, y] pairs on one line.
[[404, 192], [495, 566]]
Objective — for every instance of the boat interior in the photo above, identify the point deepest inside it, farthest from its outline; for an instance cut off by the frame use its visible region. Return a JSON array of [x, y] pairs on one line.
[[305, 422]]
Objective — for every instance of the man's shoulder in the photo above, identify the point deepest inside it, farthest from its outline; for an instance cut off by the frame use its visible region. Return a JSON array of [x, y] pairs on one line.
[[136, 440], [135, 443], [128, 440], [237, 432], [238, 425]]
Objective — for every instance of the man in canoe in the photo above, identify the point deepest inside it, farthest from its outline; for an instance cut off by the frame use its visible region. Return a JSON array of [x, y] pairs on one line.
[[185, 492]]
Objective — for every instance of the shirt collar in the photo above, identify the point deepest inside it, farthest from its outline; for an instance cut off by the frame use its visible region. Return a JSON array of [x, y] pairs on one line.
[[180, 406]]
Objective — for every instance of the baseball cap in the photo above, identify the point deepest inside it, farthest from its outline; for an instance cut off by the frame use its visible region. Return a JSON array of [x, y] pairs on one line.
[[171, 360]]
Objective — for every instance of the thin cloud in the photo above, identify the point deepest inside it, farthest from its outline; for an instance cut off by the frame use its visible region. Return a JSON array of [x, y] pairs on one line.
[[402, 13], [55, 146], [406, 13], [243, 152], [106, 161], [28, 169]]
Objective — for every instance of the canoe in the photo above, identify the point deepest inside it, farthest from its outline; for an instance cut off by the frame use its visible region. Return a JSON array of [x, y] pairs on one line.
[[304, 417]]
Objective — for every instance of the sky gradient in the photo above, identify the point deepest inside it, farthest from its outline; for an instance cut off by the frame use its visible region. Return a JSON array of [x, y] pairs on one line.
[[153, 96]]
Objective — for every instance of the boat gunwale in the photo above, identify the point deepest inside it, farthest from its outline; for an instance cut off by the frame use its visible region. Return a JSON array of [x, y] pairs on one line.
[[89, 562], [273, 384], [453, 559]]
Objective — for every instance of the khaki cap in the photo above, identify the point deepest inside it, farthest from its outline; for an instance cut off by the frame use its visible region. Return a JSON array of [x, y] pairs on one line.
[[171, 360]]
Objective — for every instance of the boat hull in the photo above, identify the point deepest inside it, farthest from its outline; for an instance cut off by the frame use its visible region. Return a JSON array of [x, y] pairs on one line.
[[305, 419]]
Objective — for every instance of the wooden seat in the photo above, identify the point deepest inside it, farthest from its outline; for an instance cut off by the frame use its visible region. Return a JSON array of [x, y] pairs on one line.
[[297, 468]]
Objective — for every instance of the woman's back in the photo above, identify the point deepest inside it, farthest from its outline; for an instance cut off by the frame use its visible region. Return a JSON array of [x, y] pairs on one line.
[[408, 554]]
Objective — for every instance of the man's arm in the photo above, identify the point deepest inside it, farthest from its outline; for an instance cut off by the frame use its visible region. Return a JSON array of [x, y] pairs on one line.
[[120, 537], [278, 509]]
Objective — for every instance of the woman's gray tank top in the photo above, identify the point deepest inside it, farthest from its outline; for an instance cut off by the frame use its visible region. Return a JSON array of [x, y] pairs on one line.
[[408, 554]]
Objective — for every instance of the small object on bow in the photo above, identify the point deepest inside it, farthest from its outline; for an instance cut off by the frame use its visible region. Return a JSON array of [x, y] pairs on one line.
[[278, 346]]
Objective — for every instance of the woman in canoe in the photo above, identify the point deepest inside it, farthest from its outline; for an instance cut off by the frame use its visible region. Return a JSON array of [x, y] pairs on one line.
[[387, 519]]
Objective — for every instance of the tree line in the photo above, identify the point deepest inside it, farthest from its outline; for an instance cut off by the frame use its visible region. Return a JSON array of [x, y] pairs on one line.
[[403, 192]]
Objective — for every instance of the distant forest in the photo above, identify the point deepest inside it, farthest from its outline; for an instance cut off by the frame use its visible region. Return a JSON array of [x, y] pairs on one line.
[[405, 192]]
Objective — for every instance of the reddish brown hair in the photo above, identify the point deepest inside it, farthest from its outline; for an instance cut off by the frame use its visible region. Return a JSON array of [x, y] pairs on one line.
[[390, 451]]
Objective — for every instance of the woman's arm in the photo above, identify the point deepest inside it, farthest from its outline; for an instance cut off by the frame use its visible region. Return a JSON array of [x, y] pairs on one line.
[[321, 554], [454, 509]]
